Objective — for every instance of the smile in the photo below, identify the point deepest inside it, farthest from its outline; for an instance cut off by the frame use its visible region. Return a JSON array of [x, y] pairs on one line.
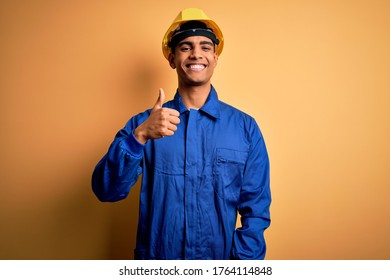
[[196, 67]]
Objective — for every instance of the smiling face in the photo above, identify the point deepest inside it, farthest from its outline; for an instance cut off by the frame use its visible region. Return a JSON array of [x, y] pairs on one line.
[[194, 59]]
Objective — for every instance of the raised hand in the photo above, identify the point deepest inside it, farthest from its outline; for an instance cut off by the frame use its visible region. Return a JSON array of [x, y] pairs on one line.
[[161, 122]]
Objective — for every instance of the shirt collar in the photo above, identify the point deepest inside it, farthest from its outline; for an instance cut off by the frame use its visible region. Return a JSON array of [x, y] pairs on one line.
[[211, 107]]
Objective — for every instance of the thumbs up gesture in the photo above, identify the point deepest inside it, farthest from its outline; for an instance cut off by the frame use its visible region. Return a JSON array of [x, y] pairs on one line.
[[161, 122]]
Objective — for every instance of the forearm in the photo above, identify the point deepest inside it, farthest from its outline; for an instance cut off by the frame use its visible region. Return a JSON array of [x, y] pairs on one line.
[[248, 240], [118, 170]]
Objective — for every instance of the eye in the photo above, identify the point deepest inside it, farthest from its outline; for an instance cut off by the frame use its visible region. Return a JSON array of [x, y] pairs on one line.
[[185, 48]]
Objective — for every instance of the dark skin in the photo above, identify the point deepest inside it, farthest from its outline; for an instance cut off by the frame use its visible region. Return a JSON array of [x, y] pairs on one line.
[[194, 59]]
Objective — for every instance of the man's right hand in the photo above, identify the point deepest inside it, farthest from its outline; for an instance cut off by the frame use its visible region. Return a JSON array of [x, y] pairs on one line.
[[161, 122]]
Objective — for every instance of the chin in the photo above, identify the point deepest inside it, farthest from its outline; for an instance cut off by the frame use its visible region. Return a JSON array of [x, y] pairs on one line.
[[196, 83]]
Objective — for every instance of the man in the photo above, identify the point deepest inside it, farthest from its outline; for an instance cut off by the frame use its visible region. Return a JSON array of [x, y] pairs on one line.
[[201, 159]]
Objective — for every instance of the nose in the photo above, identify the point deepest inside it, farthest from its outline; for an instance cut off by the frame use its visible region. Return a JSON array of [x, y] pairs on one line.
[[196, 53]]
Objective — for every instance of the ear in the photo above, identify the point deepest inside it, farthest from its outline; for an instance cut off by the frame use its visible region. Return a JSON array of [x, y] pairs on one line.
[[171, 59], [215, 59]]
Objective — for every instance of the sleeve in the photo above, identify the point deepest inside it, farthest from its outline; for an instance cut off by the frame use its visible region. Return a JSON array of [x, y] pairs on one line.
[[119, 169], [254, 203]]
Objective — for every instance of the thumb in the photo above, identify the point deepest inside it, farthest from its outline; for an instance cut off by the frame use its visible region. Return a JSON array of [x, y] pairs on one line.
[[160, 100]]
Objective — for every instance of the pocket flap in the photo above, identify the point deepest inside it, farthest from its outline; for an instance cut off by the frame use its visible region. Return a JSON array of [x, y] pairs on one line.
[[232, 156]]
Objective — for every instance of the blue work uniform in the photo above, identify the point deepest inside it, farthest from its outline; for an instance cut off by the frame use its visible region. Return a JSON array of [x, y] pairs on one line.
[[193, 184]]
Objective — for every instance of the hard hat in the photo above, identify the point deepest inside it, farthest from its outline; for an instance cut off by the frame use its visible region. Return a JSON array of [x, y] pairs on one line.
[[191, 14]]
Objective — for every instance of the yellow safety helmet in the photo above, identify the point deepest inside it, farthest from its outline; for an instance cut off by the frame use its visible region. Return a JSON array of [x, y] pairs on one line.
[[191, 14]]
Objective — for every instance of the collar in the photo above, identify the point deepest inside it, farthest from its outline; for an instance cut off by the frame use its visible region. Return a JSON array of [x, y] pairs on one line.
[[211, 106]]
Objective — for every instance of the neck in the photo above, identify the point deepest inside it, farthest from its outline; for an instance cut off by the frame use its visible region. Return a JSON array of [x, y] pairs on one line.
[[194, 97]]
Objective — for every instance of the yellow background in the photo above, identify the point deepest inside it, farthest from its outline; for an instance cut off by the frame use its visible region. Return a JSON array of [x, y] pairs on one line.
[[314, 74]]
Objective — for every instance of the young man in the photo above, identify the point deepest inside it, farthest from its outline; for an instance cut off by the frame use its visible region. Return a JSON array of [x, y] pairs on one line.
[[201, 159]]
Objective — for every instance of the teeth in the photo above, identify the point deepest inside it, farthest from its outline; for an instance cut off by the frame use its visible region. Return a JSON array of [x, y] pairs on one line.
[[197, 66]]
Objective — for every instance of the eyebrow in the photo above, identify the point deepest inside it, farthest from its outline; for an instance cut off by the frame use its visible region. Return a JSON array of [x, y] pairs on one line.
[[191, 43]]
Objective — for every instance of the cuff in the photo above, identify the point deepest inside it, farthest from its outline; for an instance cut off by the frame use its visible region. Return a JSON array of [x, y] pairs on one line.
[[133, 146]]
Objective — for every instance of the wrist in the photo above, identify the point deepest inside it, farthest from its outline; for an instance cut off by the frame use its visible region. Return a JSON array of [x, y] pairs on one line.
[[140, 135]]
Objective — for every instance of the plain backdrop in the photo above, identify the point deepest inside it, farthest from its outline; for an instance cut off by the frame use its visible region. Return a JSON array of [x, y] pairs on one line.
[[314, 74]]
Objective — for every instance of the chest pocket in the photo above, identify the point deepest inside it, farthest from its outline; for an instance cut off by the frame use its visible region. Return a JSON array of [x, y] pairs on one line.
[[228, 173]]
